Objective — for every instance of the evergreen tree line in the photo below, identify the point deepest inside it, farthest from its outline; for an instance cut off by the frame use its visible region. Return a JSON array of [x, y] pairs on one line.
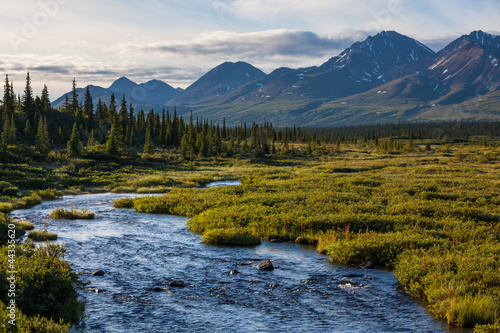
[[117, 128]]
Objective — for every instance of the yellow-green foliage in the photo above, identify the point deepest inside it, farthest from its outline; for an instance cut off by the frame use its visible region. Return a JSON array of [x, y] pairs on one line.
[[24, 224], [6, 207], [42, 236], [71, 214], [487, 328], [460, 281], [233, 236], [123, 203], [25, 324]]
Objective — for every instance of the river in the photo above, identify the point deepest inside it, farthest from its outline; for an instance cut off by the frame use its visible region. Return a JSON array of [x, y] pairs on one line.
[[140, 253]]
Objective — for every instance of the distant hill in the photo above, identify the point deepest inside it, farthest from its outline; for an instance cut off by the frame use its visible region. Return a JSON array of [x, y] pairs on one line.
[[152, 94]]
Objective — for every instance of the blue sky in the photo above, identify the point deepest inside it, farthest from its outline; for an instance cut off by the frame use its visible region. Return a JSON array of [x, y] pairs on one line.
[[97, 41]]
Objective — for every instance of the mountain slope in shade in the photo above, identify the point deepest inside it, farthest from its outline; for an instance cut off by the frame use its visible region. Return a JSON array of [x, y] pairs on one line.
[[218, 82]]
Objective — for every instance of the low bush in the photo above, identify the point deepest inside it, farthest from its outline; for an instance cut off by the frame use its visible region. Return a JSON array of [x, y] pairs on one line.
[[45, 283], [6, 207], [123, 203], [234, 236], [49, 194], [42, 236], [72, 214], [25, 324]]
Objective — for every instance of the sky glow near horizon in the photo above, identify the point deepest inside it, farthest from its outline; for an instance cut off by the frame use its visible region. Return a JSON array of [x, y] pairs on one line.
[[177, 41]]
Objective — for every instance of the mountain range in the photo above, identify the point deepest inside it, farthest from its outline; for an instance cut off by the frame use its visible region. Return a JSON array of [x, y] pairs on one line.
[[152, 94], [388, 77]]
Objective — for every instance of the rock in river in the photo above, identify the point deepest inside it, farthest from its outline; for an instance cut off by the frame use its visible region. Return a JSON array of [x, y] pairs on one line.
[[233, 272], [98, 273], [177, 283], [366, 265], [265, 265]]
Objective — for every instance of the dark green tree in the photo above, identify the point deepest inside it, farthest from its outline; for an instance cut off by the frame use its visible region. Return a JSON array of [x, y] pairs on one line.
[[28, 102], [149, 148], [42, 137], [112, 146], [45, 100], [88, 109], [73, 147]]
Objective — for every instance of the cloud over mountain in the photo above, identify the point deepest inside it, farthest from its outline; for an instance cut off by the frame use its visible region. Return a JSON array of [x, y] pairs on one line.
[[278, 42]]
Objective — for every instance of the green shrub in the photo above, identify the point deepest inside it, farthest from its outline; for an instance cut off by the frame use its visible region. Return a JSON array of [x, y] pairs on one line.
[[42, 236], [45, 283], [4, 185], [381, 249], [306, 240], [487, 328], [49, 194], [123, 203], [72, 214], [25, 324], [234, 236], [6, 207], [10, 191], [30, 201], [24, 224]]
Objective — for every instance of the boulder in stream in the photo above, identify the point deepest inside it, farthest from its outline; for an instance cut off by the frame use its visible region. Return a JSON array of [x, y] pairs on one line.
[[177, 284], [265, 265], [98, 273], [366, 265]]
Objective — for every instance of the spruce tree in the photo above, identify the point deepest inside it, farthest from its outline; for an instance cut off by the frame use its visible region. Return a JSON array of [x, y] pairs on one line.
[[45, 99], [91, 141], [148, 144], [12, 132], [27, 130], [73, 147], [88, 109], [8, 100], [5, 137], [112, 108], [111, 144], [42, 137], [28, 102], [185, 146], [74, 98]]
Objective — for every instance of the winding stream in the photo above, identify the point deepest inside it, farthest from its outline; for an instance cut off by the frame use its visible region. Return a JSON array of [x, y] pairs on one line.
[[139, 252]]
